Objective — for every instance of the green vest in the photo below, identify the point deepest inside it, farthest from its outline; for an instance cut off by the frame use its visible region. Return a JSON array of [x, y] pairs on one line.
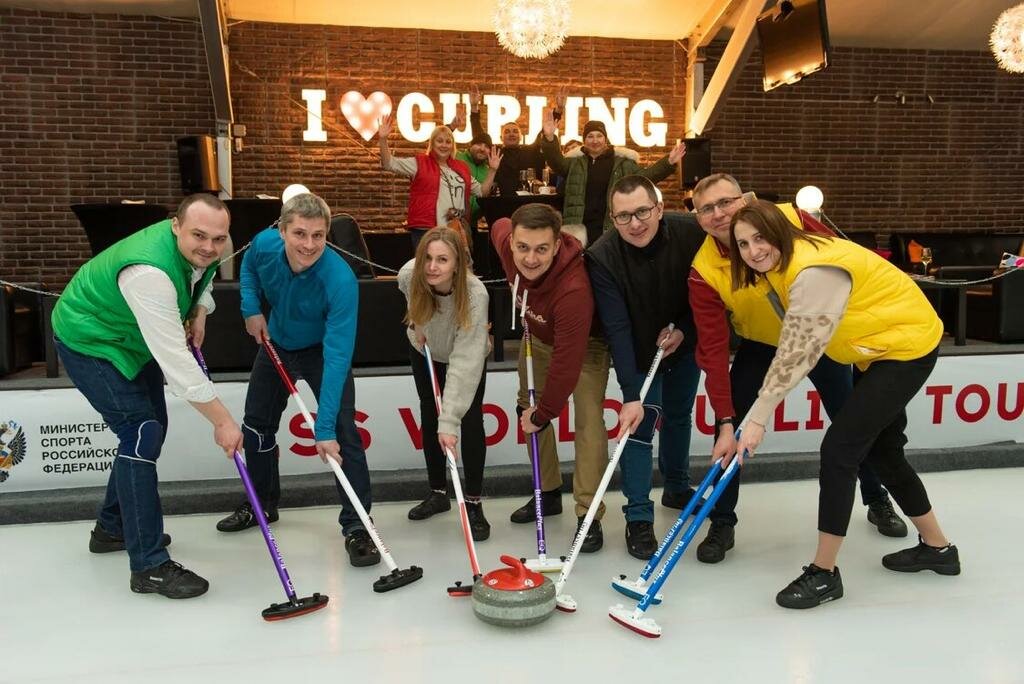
[[479, 174], [92, 317]]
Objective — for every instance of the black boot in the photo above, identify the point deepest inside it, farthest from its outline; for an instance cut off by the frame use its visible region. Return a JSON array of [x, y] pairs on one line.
[[882, 515], [640, 541], [943, 560], [678, 500], [361, 549], [721, 537], [169, 579], [243, 518], [100, 541], [812, 588], [594, 540], [436, 502], [478, 525], [551, 504]]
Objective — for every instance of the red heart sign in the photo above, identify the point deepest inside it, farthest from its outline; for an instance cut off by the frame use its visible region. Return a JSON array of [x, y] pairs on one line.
[[364, 112]]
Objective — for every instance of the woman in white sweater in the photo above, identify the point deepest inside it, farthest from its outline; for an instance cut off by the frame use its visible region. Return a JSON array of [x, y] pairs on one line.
[[447, 309]]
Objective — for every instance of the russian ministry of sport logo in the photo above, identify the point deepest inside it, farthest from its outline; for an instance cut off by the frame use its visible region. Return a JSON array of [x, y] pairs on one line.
[[12, 447]]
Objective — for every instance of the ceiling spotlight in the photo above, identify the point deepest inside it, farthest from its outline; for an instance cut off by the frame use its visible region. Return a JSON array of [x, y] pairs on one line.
[[784, 9]]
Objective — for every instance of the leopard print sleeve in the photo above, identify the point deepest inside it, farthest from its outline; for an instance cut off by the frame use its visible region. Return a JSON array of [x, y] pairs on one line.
[[817, 301]]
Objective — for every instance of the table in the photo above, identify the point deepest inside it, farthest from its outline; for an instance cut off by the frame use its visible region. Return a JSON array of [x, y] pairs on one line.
[[960, 308]]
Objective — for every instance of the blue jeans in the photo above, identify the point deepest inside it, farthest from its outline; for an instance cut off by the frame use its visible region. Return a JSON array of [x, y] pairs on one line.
[[670, 398], [136, 411], [265, 401], [832, 380]]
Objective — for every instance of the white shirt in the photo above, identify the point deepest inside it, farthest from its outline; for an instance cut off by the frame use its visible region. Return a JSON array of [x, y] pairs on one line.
[[151, 296]]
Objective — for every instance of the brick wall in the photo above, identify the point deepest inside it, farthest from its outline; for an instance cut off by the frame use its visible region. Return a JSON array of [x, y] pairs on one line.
[[951, 165], [90, 110], [93, 104], [271, 67]]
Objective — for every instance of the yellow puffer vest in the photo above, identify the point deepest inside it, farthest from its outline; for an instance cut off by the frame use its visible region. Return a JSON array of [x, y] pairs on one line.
[[887, 318], [753, 317]]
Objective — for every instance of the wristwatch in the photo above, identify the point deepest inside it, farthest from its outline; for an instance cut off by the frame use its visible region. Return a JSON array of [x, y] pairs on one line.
[[730, 420]]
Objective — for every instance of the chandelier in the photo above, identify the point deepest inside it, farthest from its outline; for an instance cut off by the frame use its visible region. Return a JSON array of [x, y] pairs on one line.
[[1007, 39], [531, 28]]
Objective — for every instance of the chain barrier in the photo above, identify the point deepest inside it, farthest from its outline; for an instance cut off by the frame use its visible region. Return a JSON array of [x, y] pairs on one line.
[[345, 252]]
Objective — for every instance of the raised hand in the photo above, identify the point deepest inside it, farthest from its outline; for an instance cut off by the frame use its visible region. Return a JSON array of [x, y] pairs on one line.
[[549, 123], [384, 127], [677, 153], [494, 157], [560, 97], [459, 122]]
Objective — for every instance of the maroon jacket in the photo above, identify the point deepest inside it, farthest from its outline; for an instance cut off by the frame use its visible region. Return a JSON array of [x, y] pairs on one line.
[[560, 312]]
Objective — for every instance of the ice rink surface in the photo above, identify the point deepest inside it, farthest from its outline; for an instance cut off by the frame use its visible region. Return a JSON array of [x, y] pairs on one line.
[[68, 616]]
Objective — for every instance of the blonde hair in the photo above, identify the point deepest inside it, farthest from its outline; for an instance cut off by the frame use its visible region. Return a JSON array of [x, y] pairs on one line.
[[438, 132], [422, 301]]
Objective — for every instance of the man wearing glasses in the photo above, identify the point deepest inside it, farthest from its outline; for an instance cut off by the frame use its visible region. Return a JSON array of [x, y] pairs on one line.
[[757, 323], [638, 274]]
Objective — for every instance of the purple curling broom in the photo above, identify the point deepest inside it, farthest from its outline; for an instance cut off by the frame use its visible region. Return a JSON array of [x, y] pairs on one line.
[[295, 606]]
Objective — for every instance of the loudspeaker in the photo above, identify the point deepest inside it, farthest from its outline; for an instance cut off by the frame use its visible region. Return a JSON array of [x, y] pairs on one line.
[[697, 162], [197, 160]]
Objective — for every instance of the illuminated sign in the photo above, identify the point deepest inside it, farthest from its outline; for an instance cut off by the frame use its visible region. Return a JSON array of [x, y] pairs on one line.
[[644, 120]]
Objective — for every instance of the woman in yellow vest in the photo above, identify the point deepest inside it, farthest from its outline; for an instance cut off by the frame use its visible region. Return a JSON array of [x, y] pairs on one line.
[[843, 300]]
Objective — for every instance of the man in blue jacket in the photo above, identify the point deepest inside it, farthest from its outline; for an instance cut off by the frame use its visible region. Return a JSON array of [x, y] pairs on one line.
[[314, 298]]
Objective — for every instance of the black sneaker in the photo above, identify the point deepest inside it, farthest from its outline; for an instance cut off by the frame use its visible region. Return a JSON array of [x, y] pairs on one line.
[[243, 519], [721, 537], [882, 515], [170, 580], [945, 560], [594, 540], [678, 500], [551, 504], [100, 541], [812, 588], [436, 502], [640, 541], [361, 549], [478, 525]]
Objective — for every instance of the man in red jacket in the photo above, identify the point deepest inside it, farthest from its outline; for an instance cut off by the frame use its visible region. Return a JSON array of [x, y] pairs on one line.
[[548, 264]]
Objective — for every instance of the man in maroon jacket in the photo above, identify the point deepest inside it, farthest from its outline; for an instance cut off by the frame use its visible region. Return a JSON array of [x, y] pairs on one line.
[[548, 264], [732, 391]]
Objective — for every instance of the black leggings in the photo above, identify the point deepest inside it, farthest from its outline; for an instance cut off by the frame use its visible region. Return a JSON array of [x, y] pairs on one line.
[[472, 446], [870, 428], [832, 381]]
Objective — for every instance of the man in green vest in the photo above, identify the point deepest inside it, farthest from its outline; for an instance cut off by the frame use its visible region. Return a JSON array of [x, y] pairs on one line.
[[476, 159], [120, 329]]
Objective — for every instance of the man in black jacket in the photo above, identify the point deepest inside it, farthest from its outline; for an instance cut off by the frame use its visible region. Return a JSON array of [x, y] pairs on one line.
[[638, 273]]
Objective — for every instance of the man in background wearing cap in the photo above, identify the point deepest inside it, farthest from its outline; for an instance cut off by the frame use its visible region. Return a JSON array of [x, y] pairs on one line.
[[591, 171], [476, 159]]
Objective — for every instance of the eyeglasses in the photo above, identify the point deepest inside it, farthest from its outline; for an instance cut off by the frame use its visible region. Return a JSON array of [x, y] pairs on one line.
[[721, 205], [641, 214]]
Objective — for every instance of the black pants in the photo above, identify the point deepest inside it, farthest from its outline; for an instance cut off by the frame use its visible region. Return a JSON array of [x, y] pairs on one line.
[[473, 447], [267, 399], [870, 428], [834, 384]]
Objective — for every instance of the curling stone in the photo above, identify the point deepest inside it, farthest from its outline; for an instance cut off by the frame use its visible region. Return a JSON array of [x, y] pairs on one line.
[[514, 596]]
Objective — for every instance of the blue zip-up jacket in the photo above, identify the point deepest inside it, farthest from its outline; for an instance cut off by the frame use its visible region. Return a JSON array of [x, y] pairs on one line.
[[318, 306]]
